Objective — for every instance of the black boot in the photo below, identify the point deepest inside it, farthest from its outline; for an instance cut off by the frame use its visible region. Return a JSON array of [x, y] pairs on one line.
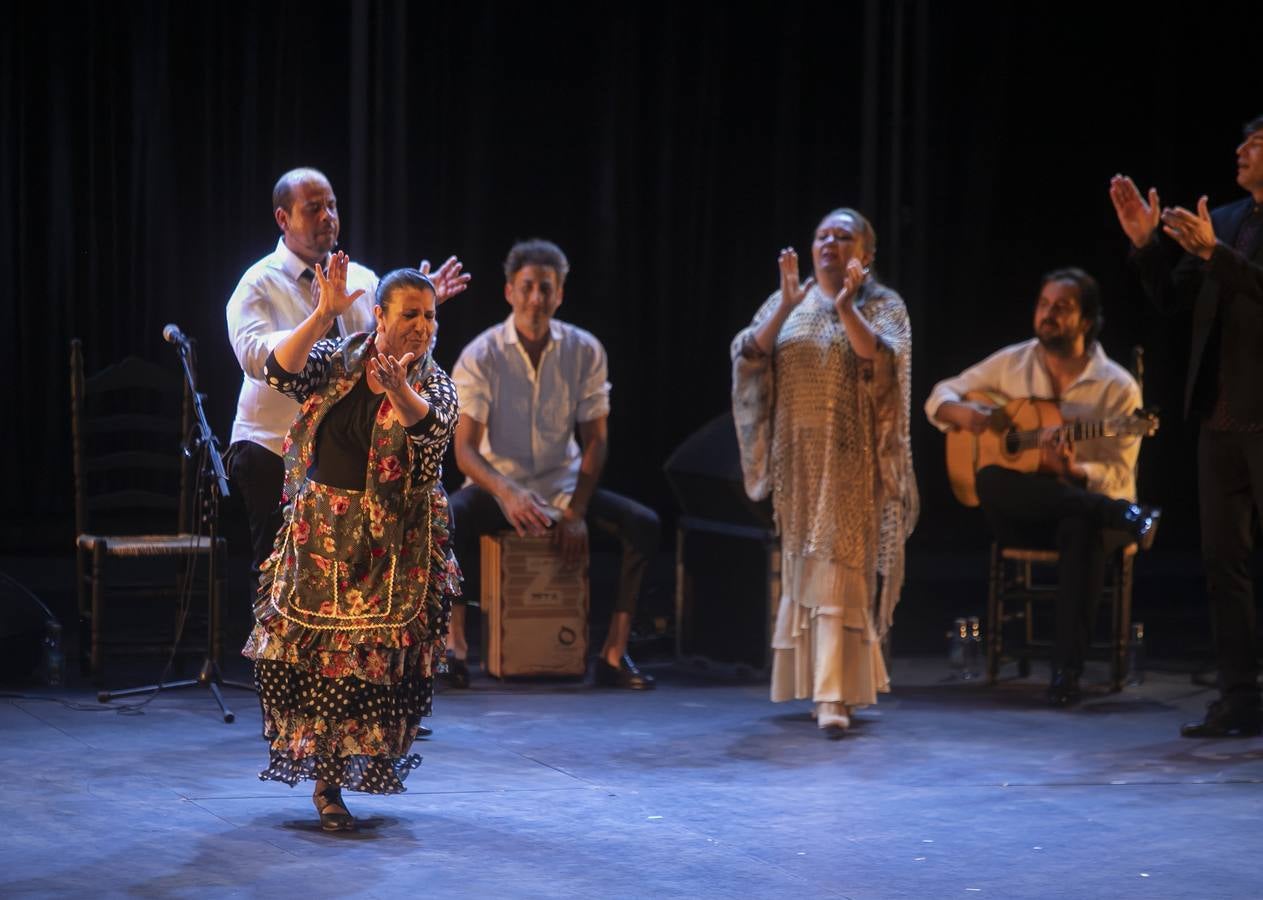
[[1226, 718]]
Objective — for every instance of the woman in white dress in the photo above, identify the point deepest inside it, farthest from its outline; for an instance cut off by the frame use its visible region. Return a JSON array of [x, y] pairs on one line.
[[821, 389]]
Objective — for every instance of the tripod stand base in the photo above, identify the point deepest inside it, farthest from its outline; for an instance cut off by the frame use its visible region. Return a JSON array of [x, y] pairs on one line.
[[208, 678]]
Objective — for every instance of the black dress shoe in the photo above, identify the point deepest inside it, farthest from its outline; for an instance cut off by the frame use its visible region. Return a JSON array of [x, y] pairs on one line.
[[1224, 719], [1141, 522], [624, 675], [457, 675], [424, 731], [1063, 691]]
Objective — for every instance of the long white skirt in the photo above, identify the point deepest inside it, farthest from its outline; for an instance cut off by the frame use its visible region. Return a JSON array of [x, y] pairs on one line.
[[824, 646]]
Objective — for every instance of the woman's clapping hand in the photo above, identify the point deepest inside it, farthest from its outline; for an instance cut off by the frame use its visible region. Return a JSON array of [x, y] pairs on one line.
[[792, 291]]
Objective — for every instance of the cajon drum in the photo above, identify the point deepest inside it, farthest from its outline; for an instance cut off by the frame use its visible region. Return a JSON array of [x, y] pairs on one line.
[[535, 610]]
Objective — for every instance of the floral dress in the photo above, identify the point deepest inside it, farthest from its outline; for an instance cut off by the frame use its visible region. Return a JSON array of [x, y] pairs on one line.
[[352, 609]]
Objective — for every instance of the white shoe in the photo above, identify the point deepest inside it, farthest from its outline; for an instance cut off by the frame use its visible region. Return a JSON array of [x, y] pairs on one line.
[[831, 715]]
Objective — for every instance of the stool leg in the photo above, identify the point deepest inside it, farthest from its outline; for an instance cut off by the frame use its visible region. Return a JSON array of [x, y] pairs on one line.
[[85, 619], [995, 616], [98, 566], [1123, 576], [679, 593], [216, 588]]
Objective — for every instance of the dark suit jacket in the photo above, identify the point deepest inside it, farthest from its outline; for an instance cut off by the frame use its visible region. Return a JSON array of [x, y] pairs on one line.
[[1226, 294]]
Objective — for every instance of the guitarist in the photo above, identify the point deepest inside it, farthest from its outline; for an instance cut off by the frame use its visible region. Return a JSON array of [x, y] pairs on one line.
[[1083, 500]]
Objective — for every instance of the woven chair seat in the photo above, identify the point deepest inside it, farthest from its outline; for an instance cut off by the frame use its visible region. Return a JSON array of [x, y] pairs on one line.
[[146, 544], [1014, 588], [1048, 557]]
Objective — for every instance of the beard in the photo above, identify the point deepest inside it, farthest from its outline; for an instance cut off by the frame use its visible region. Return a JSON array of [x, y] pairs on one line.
[[1056, 344]]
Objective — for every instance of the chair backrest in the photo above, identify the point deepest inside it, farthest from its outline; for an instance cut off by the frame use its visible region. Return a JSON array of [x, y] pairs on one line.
[[127, 423], [1137, 368]]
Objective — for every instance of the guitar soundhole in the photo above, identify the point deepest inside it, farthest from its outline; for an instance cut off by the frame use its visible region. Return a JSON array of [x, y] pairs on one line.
[[1012, 443]]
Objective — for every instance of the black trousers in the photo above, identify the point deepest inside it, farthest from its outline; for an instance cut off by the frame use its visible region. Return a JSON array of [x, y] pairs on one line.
[[1230, 491], [634, 526], [258, 477], [1043, 511]]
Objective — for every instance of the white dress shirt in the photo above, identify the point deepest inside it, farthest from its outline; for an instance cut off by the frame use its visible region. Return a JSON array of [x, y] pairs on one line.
[[531, 414], [270, 301], [1103, 390]]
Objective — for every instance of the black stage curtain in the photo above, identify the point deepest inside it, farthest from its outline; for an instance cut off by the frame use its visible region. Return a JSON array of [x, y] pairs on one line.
[[671, 149]]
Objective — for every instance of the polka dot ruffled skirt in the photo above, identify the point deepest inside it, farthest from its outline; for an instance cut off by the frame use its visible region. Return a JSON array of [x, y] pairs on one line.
[[344, 731]]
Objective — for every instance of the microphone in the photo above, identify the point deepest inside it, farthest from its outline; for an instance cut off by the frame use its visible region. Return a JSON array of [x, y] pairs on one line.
[[172, 334]]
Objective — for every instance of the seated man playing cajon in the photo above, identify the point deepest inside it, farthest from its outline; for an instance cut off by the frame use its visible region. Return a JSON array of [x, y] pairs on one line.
[[524, 387]]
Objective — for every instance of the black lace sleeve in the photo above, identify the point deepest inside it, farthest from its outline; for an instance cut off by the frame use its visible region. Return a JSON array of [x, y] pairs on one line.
[[431, 435], [299, 386]]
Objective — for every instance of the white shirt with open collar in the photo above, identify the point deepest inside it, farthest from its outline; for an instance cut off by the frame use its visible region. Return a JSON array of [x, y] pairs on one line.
[[530, 415]]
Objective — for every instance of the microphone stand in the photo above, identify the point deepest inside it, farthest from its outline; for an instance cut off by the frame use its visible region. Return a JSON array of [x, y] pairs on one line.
[[202, 441]]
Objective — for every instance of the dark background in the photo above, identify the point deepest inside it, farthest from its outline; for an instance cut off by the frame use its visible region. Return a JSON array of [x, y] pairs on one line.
[[671, 150]]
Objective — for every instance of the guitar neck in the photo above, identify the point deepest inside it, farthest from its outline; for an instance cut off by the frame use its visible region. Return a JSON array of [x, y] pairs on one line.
[[1086, 431], [1075, 431]]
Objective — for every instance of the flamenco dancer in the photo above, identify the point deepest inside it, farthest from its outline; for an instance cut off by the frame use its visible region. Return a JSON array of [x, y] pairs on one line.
[[353, 603]]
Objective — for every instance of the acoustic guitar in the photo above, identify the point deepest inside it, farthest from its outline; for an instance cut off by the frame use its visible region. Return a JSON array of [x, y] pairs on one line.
[[1012, 438]]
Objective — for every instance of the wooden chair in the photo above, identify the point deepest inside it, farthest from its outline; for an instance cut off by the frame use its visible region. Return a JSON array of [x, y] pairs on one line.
[[1014, 589], [133, 490]]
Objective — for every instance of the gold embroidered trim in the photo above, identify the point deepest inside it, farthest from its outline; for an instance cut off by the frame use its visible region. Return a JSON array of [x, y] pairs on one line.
[[390, 588]]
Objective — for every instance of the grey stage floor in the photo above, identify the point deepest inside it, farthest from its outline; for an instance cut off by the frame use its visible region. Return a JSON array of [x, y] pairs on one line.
[[700, 789]]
